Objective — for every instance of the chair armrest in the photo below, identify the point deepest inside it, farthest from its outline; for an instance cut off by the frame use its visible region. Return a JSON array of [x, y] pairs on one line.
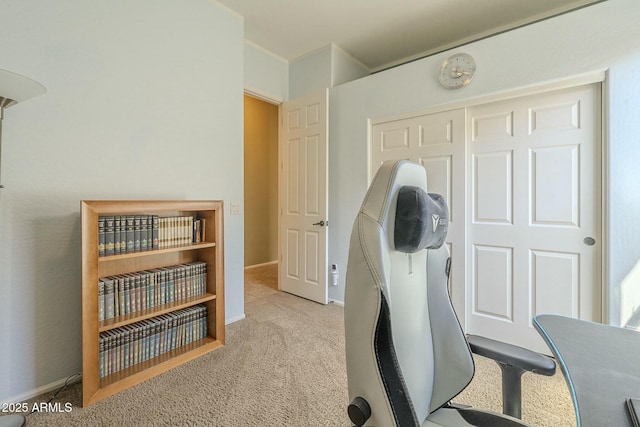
[[511, 355], [513, 362]]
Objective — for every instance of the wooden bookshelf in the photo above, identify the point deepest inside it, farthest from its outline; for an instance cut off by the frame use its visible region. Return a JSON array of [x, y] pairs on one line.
[[94, 267]]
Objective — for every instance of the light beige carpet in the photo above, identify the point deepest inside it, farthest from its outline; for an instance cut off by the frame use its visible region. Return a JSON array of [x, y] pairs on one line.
[[283, 365]]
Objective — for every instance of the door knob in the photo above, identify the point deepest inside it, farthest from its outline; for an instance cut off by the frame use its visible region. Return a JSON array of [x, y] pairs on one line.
[[321, 223], [589, 241]]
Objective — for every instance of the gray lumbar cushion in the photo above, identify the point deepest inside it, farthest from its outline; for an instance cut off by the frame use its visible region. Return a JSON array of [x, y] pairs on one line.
[[422, 220]]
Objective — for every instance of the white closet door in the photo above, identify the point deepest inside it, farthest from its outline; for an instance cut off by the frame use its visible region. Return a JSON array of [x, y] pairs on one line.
[[534, 213], [436, 141]]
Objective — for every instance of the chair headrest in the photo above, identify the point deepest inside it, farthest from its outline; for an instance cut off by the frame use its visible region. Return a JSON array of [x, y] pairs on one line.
[[422, 220]]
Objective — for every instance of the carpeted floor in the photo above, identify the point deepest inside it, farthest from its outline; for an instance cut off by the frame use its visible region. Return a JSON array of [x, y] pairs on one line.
[[283, 365]]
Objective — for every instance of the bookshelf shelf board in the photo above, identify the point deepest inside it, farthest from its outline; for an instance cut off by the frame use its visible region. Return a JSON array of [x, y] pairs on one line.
[[127, 319], [118, 381], [153, 252]]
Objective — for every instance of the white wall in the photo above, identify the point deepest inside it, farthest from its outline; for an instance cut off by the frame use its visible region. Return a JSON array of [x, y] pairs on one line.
[[344, 67], [601, 37], [310, 73], [323, 68], [265, 74], [623, 188], [144, 100]]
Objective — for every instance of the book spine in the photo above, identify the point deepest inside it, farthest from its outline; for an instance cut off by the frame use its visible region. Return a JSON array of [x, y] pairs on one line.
[[149, 328], [121, 296], [196, 231], [174, 231], [136, 346], [109, 236], [108, 298], [191, 334], [161, 331], [157, 330], [136, 232], [205, 332], [101, 237], [167, 232], [161, 233], [198, 278], [120, 351], [171, 285], [162, 286], [127, 294], [177, 283], [174, 331], [188, 271], [128, 333], [111, 368], [156, 290], [177, 238], [101, 355], [130, 289], [117, 234], [204, 277], [100, 300], [103, 359], [171, 239], [144, 235], [180, 329], [130, 236], [123, 234], [151, 287], [155, 232], [140, 294]]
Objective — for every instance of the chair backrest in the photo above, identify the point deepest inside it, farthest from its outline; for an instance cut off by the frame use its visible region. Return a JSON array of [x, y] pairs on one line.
[[406, 353]]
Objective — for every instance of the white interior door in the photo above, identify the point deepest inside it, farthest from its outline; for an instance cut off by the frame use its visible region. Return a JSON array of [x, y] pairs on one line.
[[535, 213], [304, 197], [436, 141]]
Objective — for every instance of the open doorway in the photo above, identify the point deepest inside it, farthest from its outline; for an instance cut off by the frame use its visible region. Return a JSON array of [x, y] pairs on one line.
[[260, 197]]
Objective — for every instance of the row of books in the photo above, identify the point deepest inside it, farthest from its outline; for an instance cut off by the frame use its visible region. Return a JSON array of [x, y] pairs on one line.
[[128, 293], [129, 345], [118, 234]]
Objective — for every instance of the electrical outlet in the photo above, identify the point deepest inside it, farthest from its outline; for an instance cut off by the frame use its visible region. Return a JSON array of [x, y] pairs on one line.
[[235, 208]]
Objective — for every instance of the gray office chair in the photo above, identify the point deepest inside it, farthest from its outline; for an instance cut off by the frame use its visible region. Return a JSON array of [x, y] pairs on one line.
[[12, 421], [407, 356]]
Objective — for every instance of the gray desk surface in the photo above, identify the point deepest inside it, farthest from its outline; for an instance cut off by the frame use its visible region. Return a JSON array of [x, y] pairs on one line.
[[601, 365]]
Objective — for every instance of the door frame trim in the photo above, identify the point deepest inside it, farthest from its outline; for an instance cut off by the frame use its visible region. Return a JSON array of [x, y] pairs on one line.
[[278, 102]]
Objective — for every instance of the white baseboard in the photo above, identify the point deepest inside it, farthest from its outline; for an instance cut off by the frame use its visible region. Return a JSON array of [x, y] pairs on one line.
[[40, 390], [337, 302], [264, 264]]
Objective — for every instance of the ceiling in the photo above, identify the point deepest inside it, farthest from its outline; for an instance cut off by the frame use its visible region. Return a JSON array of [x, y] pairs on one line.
[[384, 33]]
